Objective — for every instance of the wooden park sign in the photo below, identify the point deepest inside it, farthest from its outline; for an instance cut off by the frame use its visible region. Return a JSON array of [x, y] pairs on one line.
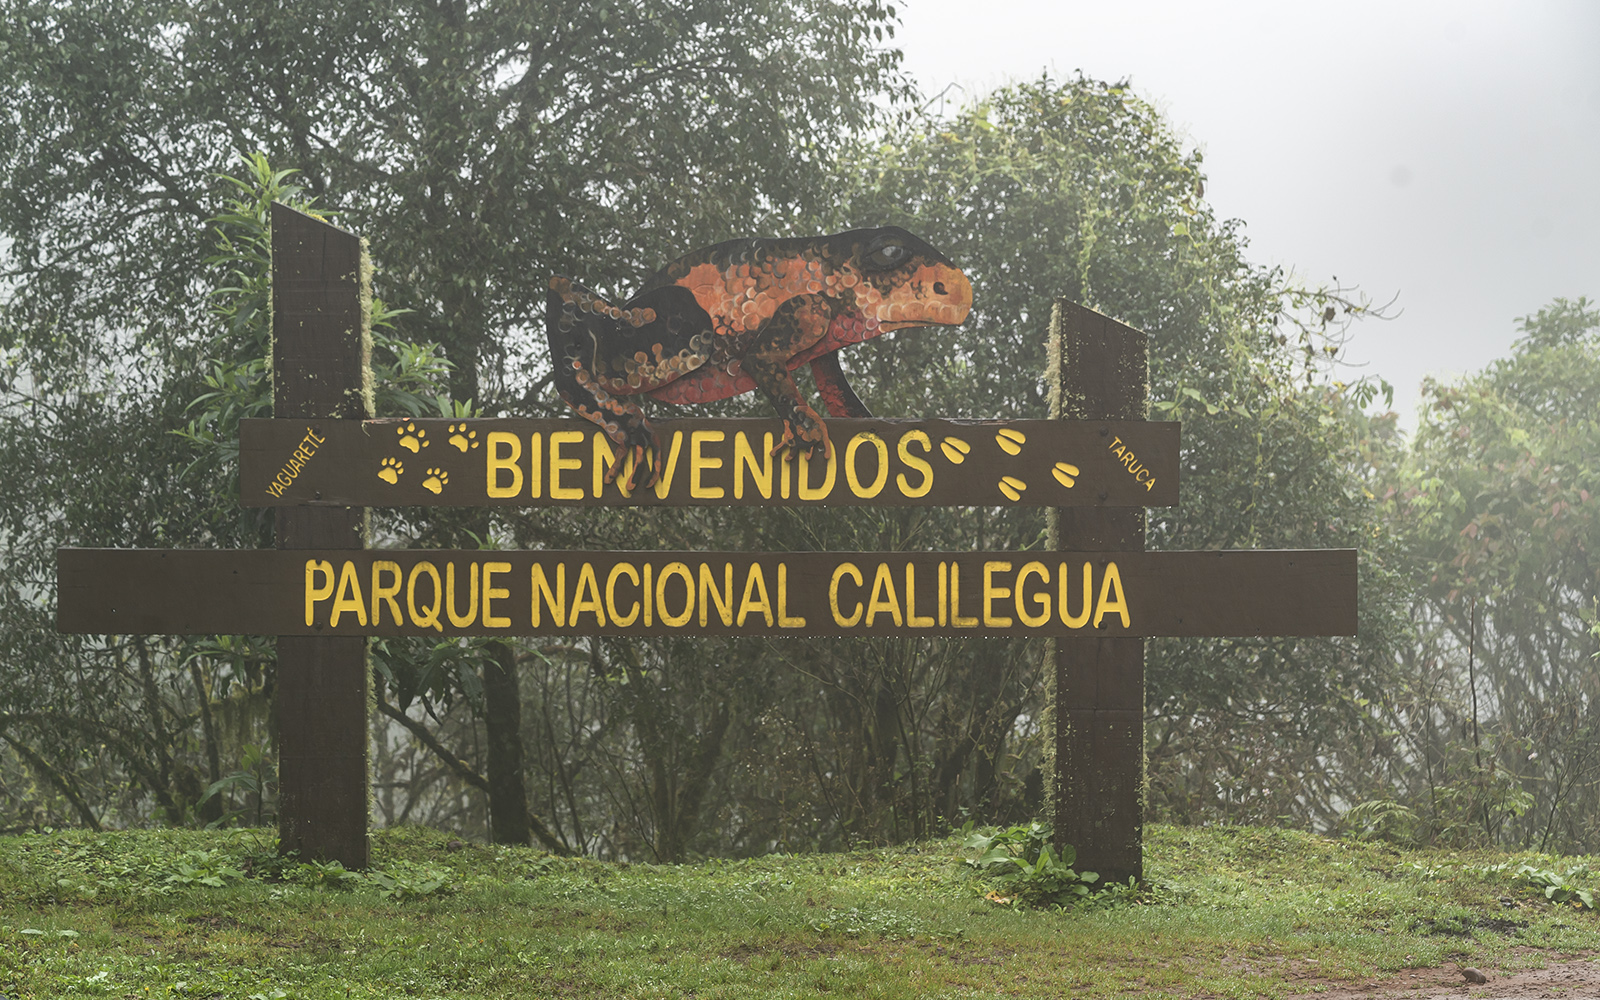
[[322, 460], [879, 463]]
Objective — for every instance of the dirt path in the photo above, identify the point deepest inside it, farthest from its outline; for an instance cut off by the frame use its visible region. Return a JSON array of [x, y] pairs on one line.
[[1571, 977]]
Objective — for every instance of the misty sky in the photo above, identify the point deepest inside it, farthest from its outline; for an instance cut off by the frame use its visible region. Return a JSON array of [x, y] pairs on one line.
[[1444, 153]]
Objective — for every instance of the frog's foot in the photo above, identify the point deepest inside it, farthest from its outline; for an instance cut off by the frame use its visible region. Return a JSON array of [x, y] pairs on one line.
[[637, 441], [804, 432]]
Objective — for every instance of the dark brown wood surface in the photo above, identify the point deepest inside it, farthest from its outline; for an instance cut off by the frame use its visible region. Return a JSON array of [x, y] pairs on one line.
[[709, 462], [481, 592], [1100, 371], [321, 350]]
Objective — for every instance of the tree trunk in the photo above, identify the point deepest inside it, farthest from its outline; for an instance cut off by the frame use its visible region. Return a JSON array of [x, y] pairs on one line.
[[502, 717]]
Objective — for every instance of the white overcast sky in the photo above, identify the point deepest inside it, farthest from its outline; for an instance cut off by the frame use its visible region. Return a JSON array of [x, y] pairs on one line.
[[1447, 153]]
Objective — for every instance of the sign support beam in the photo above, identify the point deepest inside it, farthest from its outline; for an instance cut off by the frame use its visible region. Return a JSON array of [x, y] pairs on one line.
[[1099, 369], [321, 350]]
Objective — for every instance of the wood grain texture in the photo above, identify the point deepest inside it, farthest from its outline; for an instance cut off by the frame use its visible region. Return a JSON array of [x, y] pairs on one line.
[[1099, 370], [320, 357], [463, 592]]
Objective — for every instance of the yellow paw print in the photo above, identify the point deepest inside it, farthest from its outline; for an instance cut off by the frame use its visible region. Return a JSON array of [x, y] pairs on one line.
[[955, 449], [1012, 487], [436, 481], [412, 439], [463, 438], [1066, 474], [391, 470], [1010, 441]]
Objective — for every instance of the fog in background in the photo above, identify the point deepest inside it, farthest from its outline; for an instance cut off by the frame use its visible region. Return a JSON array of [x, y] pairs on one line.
[[1446, 155]]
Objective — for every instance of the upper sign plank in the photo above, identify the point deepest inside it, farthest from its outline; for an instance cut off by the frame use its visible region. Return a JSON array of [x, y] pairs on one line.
[[709, 463]]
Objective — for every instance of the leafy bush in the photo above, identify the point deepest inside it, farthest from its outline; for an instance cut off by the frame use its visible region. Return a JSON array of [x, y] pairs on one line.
[[1558, 888], [1025, 868]]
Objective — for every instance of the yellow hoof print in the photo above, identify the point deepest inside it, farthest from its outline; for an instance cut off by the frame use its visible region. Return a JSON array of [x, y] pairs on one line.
[[1012, 487], [1065, 473], [412, 439], [1010, 441], [392, 469], [463, 438], [955, 450], [436, 481]]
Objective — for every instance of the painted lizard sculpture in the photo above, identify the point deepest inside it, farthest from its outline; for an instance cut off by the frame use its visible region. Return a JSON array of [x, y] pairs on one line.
[[740, 316]]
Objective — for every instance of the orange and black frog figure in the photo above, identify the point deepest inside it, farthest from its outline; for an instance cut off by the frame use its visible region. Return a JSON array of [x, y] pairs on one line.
[[742, 315]]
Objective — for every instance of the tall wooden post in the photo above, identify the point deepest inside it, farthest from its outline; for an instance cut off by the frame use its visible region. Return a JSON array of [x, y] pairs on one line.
[[1099, 369], [321, 351]]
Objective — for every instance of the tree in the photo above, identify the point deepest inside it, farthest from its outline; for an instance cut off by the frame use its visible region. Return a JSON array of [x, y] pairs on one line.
[[480, 146], [1498, 501], [1079, 189]]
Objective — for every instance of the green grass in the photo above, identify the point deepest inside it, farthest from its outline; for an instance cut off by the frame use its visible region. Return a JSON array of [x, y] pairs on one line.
[[1230, 912]]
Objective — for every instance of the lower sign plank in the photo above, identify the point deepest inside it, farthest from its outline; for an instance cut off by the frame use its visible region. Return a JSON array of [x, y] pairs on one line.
[[709, 463], [487, 592]]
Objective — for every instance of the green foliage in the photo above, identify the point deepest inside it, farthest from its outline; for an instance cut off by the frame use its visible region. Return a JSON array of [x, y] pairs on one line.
[[204, 868], [1025, 868], [1496, 504], [1559, 888], [887, 922]]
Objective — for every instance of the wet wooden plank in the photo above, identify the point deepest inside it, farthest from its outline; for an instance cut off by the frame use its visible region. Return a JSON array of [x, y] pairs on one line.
[[320, 355], [1100, 370], [340, 592], [709, 462]]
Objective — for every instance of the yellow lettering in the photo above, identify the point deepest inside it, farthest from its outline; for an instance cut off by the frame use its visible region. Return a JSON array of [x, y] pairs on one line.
[[744, 458], [558, 465], [724, 600], [495, 463], [803, 475], [349, 596], [490, 592], [904, 450], [839, 572], [621, 569], [991, 593], [664, 484], [783, 478], [648, 596], [536, 465], [784, 619], [755, 582], [1117, 603], [883, 584], [431, 619], [556, 601], [587, 584], [1078, 620], [382, 593], [1042, 599], [314, 592], [1150, 485], [676, 569], [956, 618], [461, 621], [867, 492], [944, 594], [912, 618], [700, 462]]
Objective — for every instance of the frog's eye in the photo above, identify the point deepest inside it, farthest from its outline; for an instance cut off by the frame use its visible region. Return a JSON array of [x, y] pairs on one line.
[[885, 257]]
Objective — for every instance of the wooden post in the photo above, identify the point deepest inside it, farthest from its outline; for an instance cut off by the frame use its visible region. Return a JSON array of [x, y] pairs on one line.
[[1099, 369], [321, 352]]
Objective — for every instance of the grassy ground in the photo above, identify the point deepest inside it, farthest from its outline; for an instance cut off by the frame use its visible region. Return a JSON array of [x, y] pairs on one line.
[[1230, 912]]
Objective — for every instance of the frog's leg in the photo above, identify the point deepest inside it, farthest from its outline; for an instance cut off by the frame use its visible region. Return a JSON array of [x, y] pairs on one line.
[[603, 355], [797, 324], [837, 396]]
